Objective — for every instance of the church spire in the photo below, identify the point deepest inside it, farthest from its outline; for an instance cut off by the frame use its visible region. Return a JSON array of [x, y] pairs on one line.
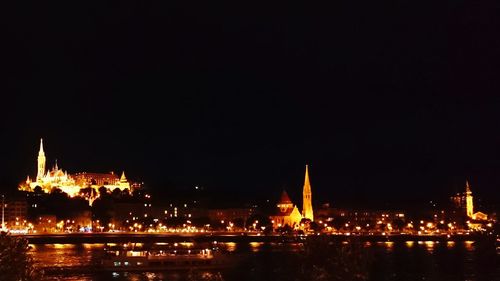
[[41, 163], [123, 178], [307, 184], [469, 202], [41, 152], [467, 187], [307, 209]]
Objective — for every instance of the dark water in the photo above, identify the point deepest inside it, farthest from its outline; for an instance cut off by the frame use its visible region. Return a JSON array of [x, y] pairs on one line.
[[387, 261]]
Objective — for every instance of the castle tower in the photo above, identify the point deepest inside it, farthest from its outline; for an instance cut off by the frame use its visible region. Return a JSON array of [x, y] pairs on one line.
[[41, 163], [307, 209], [123, 178], [123, 183], [468, 200]]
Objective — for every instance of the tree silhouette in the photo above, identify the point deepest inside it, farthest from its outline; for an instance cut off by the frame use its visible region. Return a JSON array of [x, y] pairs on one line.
[[16, 264], [38, 190]]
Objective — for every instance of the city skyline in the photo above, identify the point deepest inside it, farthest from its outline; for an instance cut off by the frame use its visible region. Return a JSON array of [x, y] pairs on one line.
[[168, 140], [269, 196]]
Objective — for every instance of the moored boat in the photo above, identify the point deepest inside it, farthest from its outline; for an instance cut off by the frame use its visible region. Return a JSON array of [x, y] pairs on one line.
[[165, 257]]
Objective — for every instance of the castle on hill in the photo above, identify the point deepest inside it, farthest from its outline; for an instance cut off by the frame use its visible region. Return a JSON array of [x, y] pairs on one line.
[[56, 177]]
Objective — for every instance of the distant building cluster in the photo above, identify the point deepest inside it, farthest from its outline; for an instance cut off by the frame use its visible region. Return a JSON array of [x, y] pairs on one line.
[[287, 214], [447, 220], [48, 179], [464, 201], [56, 201]]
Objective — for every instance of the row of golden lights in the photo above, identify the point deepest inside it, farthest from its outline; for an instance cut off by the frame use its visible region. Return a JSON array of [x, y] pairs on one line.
[[422, 228]]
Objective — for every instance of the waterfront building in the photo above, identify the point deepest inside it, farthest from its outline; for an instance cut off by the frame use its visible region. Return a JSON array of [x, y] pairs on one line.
[[465, 202], [125, 213], [230, 214], [46, 224], [15, 211], [286, 213]]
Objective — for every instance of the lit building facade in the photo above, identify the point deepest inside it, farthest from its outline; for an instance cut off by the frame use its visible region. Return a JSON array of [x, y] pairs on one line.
[[286, 214], [465, 201], [16, 211], [108, 180], [71, 184]]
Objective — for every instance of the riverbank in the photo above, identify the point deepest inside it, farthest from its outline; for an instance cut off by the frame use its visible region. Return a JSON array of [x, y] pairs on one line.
[[92, 238]]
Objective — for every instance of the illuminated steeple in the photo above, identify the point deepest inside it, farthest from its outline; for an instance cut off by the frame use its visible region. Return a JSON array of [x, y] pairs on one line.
[[124, 184], [41, 162], [468, 200], [123, 178], [307, 209]]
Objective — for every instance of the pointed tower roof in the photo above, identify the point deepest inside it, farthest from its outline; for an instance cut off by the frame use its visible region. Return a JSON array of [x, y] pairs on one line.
[[284, 198], [41, 147], [123, 178], [467, 187], [307, 184]]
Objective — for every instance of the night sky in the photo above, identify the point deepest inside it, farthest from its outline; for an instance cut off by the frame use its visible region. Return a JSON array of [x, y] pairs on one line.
[[390, 103]]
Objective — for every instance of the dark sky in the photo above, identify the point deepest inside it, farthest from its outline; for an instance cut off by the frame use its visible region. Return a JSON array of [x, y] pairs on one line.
[[394, 101]]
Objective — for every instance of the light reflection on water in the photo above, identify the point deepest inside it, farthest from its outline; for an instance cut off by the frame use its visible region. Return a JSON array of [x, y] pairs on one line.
[[62, 255], [93, 246], [469, 245], [230, 246], [389, 245], [429, 246], [255, 246], [428, 256], [75, 277], [61, 246]]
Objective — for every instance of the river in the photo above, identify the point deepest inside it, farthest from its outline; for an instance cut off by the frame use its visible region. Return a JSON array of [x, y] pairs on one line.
[[405, 261]]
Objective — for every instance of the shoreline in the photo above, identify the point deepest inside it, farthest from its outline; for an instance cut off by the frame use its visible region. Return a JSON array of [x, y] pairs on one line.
[[98, 238]]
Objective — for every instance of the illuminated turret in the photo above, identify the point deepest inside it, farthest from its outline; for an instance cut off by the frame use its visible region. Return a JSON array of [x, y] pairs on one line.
[[124, 184], [123, 178], [307, 209], [468, 200], [41, 163]]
